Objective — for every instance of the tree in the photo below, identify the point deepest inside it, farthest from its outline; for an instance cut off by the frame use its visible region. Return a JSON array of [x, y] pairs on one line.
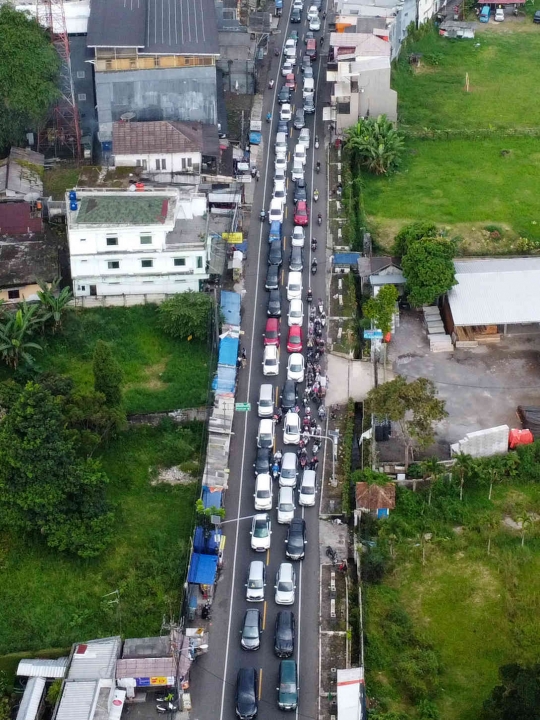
[[517, 697], [381, 308], [492, 470], [414, 406], [54, 302], [107, 374], [412, 233], [16, 329], [488, 523], [429, 270], [29, 69], [375, 144], [432, 470], [186, 316], [462, 467], [44, 486]]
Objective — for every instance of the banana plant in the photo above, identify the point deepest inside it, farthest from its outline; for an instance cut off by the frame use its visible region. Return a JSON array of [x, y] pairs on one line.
[[53, 302]]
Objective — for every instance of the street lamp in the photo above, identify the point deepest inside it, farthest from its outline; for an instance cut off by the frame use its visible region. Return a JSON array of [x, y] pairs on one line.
[[333, 437]]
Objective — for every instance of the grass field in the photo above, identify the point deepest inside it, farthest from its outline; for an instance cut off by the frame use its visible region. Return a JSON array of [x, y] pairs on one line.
[[160, 374], [52, 600], [475, 612], [503, 77]]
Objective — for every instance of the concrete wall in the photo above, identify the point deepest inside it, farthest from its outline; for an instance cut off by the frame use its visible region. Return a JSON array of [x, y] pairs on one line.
[[123, 300], [121, 286], [173, 161], [182, 94], [377, 99]]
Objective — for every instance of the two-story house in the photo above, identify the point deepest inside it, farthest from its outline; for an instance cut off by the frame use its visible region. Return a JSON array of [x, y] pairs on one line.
[[154, 60], [148, 241]]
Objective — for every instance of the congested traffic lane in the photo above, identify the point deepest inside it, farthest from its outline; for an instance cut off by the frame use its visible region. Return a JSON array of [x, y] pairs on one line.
[[214, 675]]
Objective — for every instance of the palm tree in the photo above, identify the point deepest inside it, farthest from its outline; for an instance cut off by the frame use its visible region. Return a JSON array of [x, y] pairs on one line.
[[376, 144], [489, 522], [462, 467], [53, 302], [15, 331], [431, 469], [525, 523]]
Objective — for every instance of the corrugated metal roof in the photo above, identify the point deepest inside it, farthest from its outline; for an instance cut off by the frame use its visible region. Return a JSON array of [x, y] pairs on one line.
[[43, 667], [31, 699], [77, 701], [496, 291], [95, 659]]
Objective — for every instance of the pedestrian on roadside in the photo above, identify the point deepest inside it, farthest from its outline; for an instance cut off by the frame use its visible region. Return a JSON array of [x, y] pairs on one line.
[[258, 175]]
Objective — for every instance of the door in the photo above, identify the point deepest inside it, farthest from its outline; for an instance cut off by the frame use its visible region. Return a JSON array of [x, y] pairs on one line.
[[93, 290]]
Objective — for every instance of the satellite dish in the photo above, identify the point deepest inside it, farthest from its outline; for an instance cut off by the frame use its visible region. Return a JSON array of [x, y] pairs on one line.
[[127, 116]]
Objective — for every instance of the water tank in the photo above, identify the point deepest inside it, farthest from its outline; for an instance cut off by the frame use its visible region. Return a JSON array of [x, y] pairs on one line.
[[73, 206], [72, 196]]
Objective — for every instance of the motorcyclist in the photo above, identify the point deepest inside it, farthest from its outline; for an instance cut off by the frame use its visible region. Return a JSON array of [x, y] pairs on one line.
[[309, 292], [319, 218], [315, 195], [318, 166], [277, 456]]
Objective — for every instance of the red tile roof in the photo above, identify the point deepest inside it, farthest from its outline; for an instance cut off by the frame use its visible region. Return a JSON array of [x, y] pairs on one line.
[[375, 497]]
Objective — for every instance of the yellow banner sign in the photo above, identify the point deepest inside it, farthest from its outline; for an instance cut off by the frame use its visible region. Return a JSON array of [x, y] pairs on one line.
[[233, 237]]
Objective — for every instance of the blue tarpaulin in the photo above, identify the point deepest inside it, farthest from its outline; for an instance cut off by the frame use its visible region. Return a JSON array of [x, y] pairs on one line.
[[346, 258], [225, 381], [211, 497], [206, 541], [230, 307], [228, 351], [202, 569]]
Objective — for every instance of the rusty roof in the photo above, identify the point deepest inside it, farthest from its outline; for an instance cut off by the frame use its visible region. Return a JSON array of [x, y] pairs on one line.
[[132, 138], [375, 497]]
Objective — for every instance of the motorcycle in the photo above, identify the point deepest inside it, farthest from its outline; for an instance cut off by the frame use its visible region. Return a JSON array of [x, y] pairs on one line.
[[313, 243], [262, 216], [320, 307], [167, 708], [315, 195], [275, 471], [170, 697], [322, 412], [319, 219], [316, 142], [268, 117], [309, 292], [331, 554], [271, 84], [318, 167], [314, 266], [312, 314]]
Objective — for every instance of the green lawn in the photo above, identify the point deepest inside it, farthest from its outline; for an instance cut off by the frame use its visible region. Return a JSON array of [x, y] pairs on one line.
[[160, 374], [52, 600], [476, 612], [503, 77], [461, 181]]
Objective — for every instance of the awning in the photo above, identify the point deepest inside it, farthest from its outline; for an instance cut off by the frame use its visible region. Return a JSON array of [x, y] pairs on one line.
[[228, 351], [207, 543], [202, 569], [211, 497], [230, 307], [225, 381], [224, 198]]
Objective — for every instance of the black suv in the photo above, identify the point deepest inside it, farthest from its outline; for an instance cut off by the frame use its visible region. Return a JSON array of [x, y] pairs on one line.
[[296, 15], [288, 396], [275, 253], [262, 461], [296, 539], [284, 634], [272, 278], [273, 309], [300, 190], [246, 693], [284, 95], [296, 262]]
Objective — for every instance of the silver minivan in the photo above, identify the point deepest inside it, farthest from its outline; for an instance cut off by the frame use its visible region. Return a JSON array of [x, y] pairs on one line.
[[308, 489], [256, 581], [265, 403], [289, 470]]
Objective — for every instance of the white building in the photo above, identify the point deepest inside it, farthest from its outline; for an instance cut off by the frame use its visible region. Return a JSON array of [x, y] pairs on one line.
[[149, 242]]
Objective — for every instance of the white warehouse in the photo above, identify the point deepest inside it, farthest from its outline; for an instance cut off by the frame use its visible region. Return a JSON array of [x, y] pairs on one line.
[[150, 241]]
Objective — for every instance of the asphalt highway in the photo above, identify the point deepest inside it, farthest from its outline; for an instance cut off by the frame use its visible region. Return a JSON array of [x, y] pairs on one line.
[[214, 674]]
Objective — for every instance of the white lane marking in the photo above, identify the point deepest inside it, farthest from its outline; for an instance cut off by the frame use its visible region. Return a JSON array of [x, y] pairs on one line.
[[233, 575]]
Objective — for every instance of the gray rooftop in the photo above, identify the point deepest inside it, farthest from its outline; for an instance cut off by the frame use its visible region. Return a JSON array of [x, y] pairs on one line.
[[25, 262], [21, 174], [77, 700], [43, 667], [95, 659], [164, 27], [496, 291], [146, 647]]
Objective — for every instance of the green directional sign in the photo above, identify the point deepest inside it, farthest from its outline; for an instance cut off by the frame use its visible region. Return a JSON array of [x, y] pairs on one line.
[[243, 407]]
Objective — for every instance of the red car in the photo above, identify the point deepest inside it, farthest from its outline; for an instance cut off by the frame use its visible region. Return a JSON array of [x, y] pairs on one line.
[[290, 82], [294, 339], [301, 216], [271, 332]]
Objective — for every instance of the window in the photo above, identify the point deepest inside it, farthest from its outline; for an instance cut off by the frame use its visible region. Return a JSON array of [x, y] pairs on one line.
[[112, 241], [83, 239], [180, 262], [81, 288], [146, 239], [81, 97], [199, 261], [229, 15], [146, 282], [113, 264], [161, 164], [13, 294], [84, 261], [147, 263], [187, 163], [81, 74], [138, 163]]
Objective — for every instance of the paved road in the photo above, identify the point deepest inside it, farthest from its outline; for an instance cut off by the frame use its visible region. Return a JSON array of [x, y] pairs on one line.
[[214, 675]]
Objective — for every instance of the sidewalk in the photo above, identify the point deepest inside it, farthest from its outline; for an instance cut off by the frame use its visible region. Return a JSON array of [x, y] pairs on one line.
[[348, 379]]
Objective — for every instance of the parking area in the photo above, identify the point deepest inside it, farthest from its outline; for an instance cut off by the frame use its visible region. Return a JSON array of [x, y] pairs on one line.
[[481, 387]]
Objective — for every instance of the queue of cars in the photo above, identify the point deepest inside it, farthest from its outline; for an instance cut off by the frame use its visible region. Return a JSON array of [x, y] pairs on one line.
[[294, 487]]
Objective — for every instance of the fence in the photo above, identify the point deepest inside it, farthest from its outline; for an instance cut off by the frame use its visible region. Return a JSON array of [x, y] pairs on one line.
[[467, 133], [89, 301]]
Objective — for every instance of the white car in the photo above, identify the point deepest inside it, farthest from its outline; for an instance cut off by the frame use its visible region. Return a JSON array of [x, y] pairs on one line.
[[270, 361], [285, 585], [297, 172], [280, 192], [279, 173], [295, 315], [263, 492], [261, 532], [287, 68], [256, 581], [285, 505], [265, 436], [300, 154], [275, 211], [294, 285], [289, 470], [298, 5], [315, 24], [285, 113], [499, 15], [295, 367], [308, 489], [303, 138], [290, 44], [312, 12], [280, 163], [291, 429], [298, 236], [290, 54]]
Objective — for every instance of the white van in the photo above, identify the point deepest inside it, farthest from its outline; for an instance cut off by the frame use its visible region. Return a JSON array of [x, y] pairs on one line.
[[297, 172], [308, 489], [309, 87], [265, 403], [300, 153], [276, 210], [281, 144], [294, 285]]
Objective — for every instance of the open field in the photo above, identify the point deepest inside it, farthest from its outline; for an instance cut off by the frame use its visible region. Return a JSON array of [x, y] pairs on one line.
[[503, 78], [52, 600], [470, 611], [160, 374]]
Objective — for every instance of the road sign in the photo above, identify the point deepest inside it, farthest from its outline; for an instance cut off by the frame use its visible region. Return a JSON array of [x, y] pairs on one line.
[[372, 334], [242, 407], [215, 519]]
